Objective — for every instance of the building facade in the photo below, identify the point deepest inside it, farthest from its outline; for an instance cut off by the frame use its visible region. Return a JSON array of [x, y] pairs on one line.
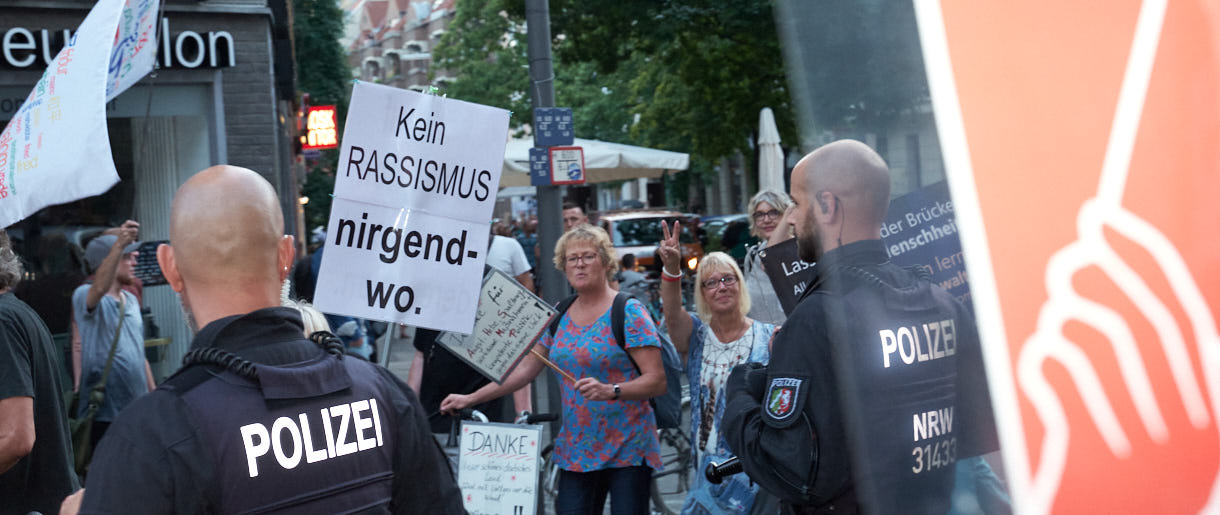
[[222, 94], [390, 41]]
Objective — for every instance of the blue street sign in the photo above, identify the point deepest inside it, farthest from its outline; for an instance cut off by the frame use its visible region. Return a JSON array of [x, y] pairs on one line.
[[553, 127], [540, 167]]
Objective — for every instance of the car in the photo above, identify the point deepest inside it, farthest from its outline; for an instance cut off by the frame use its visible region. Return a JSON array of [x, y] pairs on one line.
[[638, 231], [729, 234]]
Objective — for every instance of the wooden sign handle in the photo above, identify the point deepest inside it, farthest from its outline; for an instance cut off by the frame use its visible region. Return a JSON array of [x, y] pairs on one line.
[[553, 366]]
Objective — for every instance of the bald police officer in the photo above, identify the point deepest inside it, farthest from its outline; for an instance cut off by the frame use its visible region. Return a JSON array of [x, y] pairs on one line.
[[265, 419], [875, 389]]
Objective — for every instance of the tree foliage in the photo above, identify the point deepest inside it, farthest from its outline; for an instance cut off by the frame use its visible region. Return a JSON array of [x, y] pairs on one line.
[[682, 75], [323, 73]]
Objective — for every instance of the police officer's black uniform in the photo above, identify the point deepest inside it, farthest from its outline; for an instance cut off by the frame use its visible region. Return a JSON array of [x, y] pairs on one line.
[[902, 355], [293, 429]]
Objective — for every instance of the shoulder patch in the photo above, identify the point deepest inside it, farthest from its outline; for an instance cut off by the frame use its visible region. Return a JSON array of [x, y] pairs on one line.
[[781, 399]]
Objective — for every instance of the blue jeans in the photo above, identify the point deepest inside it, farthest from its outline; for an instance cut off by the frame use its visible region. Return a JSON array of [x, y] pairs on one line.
[[584, 493]]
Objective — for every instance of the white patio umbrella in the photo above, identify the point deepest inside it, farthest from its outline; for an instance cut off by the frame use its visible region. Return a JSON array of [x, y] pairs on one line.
[[770, 155]]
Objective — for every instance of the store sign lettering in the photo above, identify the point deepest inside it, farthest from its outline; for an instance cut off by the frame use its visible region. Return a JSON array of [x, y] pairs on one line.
[[28, 48]]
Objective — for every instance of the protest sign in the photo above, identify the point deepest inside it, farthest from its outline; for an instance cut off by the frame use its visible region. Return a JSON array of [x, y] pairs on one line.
[[1082, 165], [788, 273], [498, 468], [508, 320], [414, 190], [920, 230], [56, 149], [147, 269]]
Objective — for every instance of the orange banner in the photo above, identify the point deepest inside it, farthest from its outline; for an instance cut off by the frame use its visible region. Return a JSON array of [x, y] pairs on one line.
[[1082, 146]]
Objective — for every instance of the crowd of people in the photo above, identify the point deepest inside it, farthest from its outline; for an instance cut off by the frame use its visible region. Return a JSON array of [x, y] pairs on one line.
[[249, 422]]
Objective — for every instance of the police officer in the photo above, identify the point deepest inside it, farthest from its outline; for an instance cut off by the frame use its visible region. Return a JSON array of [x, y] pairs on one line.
[[260, 418], [874, 388]]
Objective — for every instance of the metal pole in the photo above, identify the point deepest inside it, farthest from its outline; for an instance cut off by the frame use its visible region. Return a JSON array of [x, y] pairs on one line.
[[550, 215], [542, 92]]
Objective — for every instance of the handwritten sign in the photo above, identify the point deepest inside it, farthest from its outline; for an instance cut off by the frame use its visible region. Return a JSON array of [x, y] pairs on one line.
[[56, 148], [414, 190], [498, 468], [508, 320]]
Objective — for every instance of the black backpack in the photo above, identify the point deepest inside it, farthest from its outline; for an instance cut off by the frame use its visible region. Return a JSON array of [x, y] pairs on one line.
[[667, 406]]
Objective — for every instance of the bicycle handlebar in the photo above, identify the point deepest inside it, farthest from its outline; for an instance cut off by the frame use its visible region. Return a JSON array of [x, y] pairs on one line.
[[535, 418], [716, 472]]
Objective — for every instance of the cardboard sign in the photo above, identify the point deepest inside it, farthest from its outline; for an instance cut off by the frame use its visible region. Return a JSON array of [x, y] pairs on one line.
[[553, 126], [508, 320], [414, 190], [920, 230], [56, 149], [1080, 147], [788, 273], [498, 468], [567, 165]]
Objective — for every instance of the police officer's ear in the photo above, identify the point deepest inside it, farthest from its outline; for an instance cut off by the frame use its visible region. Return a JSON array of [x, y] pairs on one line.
[[823, 197], [287, 255], [169, 266]]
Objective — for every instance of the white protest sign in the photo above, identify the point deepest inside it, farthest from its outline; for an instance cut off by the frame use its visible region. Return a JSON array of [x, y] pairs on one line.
[[498, 468], [56, 148], [508, 320], [414, 190], [134, 53]]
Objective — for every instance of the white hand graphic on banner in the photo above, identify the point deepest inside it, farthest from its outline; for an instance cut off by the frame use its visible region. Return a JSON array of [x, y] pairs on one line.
[[1066, 305]]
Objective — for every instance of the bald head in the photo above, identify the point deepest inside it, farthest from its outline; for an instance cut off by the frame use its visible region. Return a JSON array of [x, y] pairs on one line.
[[852, 172], [226, 228]]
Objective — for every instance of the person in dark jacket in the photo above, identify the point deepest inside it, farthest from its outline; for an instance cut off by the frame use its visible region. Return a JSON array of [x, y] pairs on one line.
[[260, 418], [875, 387]]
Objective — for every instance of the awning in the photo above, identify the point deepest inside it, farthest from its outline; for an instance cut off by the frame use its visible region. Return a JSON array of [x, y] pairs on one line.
[[604, 161]]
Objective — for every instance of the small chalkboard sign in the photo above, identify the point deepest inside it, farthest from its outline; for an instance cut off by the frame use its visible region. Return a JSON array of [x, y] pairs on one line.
[[508, 320], [146, 268]]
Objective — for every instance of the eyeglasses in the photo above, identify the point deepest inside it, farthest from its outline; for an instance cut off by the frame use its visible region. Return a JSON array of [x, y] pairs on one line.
[[727, 280], [576, 260], [762, 215]]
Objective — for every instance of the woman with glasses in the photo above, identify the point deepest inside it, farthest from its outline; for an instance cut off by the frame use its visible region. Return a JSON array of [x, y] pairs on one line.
[[767, 223], [712, 341], [608, 442]]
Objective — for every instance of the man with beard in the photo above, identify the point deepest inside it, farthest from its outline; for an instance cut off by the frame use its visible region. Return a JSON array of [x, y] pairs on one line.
[[260, 418], [108, 316], [875, 385]]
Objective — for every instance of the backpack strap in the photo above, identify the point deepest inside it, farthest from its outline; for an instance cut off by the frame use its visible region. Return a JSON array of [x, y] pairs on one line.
[[560, 309], [618, 322]]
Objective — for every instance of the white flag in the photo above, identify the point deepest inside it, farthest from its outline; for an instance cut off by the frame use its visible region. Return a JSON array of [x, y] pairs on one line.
[[56, 148], [135, 44]]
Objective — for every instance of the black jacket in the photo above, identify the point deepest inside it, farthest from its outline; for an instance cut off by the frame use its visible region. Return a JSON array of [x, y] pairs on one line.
[[196, 444], [901, 355]]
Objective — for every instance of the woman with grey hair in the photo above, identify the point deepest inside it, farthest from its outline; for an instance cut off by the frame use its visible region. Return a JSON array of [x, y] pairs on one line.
[[767, 210]]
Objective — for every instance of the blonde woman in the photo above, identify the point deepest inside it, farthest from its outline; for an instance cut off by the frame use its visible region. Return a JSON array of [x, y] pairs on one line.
[[712, 341], [608, 443]]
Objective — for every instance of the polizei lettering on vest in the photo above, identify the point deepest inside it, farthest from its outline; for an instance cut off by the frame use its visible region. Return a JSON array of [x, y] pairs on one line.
[[929, 341], [290, 439]]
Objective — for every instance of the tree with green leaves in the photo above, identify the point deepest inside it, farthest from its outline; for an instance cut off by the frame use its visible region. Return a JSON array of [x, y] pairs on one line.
[[322, 72], [681, 75]]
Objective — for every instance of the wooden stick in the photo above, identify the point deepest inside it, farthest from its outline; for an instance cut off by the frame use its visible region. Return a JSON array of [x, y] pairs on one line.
[[553, 366]]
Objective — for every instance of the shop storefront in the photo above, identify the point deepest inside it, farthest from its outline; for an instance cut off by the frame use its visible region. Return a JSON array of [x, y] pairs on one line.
[[222, 94]]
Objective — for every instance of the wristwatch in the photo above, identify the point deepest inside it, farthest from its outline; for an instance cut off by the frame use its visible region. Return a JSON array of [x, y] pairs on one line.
[[617, 391]]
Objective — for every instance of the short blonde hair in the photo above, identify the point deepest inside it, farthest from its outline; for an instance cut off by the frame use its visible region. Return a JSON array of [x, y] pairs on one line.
[[312, 319], [713, 263], [589, 235], [778, 199]]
